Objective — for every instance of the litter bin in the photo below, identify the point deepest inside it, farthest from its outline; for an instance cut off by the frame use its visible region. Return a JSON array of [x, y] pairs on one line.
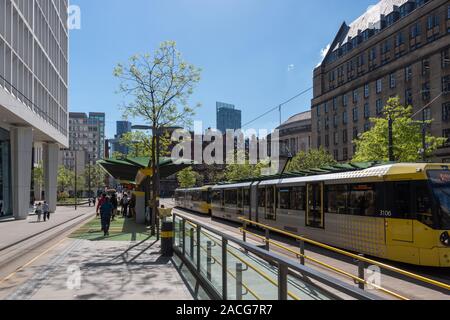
[[167, 239]]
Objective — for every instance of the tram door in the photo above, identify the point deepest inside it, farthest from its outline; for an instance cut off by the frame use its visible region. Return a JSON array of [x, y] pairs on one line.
[[314, 209], [247, 203]]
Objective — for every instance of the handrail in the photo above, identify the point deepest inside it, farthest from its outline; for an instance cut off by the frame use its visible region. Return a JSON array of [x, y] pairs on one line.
[[351, 255], [323, 264], [261, 273], [285, 264]]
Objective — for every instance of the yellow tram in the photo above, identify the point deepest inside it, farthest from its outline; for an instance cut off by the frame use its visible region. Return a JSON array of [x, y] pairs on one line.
[[194, 199], [399, 212]]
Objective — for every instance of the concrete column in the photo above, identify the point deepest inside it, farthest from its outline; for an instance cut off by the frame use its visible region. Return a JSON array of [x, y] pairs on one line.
[[51, 174], [21, 158]]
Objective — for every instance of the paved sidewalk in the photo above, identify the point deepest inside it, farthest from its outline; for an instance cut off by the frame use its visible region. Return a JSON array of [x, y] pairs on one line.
[[13, 231], [103, 270]]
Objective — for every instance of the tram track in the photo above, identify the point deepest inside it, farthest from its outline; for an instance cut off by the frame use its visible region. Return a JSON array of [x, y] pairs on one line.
[[12, 254], [390, 281]]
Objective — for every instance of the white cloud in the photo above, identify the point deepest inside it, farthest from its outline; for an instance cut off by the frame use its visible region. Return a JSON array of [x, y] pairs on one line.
[[323, 54], [291, 67]]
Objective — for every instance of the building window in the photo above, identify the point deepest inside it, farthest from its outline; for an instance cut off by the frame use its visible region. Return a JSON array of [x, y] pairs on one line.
[[399, 39], [445, 56], [366, 90], [345, 136], [335, 120], [344, 118], [327, 123], [408, 73], [366, 127], [318, 110], [336, 138], [319, 125], [366, 111], [326, 107], [426, 114], [345, 100], [446, 134], [425, 66], [327, 140], [319, 141], [379, 85], [355, 133], [426, 91], [345, 154], [446, 84], [446, 111], [335, 104], [415, 30], [372, 54], [355, 114], [355, 96], [392, 81], [336, 155], [408, 97], [379, 107]]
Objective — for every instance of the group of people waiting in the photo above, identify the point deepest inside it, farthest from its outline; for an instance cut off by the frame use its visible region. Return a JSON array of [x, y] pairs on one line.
[[42, 208], [107, 209]]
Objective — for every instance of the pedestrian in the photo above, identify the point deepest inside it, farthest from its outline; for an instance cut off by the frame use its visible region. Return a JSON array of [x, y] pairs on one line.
[[39, 211], [132, 206], [106, 210], [100, 202], [115, 205], [46, 211], [124, 203]]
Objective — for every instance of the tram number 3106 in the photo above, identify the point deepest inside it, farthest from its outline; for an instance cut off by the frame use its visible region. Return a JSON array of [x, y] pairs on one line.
[[385, 213]]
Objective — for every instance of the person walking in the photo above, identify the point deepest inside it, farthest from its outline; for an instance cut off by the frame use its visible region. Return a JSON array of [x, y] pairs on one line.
[[124, 203], [106, 210], [100, 202], [39, 211], [46, 211], [115, 205], [132, 206]]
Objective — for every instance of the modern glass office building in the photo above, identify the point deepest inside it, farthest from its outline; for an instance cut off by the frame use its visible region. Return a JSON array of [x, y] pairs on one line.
[[33, 97], [228, 117]]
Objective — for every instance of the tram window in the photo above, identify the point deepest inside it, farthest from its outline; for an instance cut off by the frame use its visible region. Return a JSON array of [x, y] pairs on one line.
[[217, 197], [336, 199], [262, 197], [205, 197], [402, 200], [231, 197], [362, 200], [239, 198], [285, 198], [196, 196], [424, 204], [246, 197], [298, 198], [270, 210]]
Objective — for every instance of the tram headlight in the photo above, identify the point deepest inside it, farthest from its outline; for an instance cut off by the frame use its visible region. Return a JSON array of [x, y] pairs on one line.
[[445, 239]]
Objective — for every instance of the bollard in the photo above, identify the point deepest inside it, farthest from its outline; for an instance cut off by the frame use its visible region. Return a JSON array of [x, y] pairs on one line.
[[167, 239], [208, 260], [191, 242], [302, 252], [361, 267], [239, 270]]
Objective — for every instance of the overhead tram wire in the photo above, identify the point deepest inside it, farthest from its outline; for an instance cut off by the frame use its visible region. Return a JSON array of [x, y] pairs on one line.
[[278, 107]]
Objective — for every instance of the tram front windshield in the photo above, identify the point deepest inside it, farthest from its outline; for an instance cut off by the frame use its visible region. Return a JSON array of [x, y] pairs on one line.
[[440, 183]]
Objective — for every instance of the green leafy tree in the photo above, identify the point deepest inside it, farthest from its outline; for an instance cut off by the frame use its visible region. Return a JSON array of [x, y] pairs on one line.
[[38, 175], [65, 178], [188, 178], [314, 158], [139, 144], [97, 177], [160, 86], [373, 145]]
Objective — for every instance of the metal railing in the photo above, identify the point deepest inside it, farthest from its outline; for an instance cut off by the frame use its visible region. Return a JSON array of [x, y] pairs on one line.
[[360, 259], [286, 273]]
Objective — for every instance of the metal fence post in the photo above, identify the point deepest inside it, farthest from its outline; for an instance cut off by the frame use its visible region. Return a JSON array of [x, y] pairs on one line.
[[267, 240], [191, 239], [224, 270], [199, 245], [361, 269], [239, 269], [302, 252], [183, 235], [244, 232], [282, 282], [208, 260]]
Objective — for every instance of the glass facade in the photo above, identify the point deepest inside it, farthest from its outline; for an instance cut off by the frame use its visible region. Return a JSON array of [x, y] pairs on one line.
[[5, 174]]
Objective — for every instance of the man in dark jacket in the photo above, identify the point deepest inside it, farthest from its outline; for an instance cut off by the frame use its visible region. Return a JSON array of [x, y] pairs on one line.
[[106, 211]]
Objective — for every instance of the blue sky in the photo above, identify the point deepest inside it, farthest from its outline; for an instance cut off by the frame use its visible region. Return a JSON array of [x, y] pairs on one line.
[[254, 53]]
